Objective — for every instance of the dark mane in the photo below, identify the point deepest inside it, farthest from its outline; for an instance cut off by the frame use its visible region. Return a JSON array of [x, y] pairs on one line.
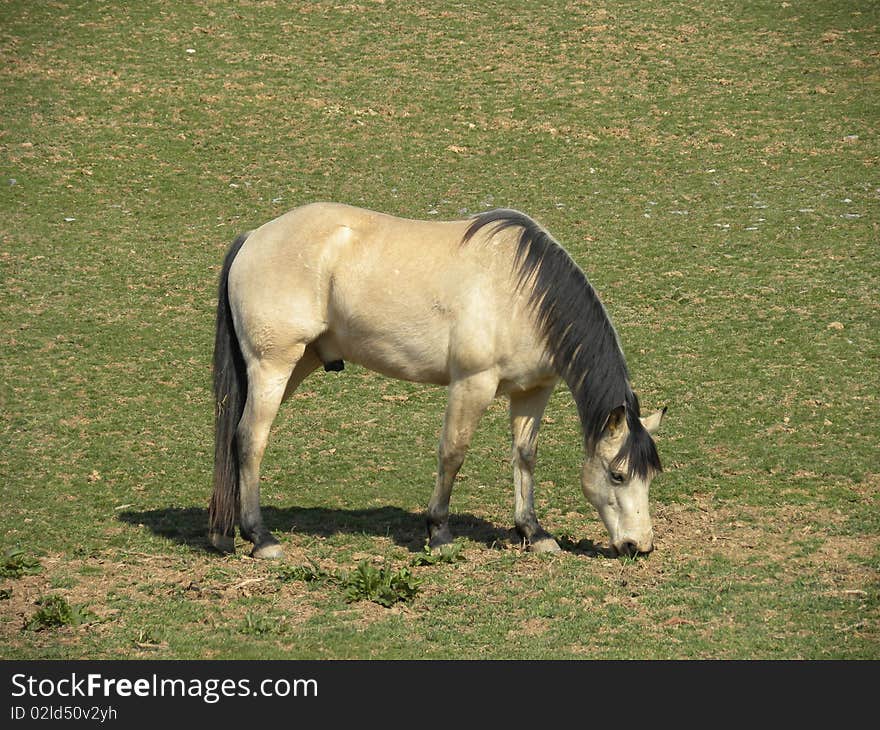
[[581, 340]]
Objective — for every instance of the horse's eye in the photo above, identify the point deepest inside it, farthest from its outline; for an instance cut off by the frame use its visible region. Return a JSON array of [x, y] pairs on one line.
[[617, 477]]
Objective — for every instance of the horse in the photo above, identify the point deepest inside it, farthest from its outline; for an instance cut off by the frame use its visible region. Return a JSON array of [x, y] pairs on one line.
[[487, 306]]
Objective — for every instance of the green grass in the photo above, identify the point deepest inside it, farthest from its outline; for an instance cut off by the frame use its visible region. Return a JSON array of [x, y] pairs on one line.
[[712, 167]]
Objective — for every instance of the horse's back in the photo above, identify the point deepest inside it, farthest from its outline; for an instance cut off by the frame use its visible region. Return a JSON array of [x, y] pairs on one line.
[[409, 301]]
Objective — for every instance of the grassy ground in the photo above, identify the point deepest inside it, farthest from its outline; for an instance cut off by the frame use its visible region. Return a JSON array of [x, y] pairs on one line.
[[714, 169]]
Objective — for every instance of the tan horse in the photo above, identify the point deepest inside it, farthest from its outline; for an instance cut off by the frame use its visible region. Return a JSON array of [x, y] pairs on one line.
[[487, 306]]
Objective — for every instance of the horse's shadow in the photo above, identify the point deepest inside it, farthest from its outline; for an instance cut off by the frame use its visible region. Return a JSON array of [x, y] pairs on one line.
[[189, 525]]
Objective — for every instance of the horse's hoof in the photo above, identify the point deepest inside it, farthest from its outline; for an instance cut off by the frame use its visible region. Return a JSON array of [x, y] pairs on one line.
[[222, 543], [267, 551], [439, 537], [544, 545]]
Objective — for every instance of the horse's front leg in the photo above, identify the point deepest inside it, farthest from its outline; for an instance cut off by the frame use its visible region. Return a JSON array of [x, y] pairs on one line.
[[526, 410], [468, 399]]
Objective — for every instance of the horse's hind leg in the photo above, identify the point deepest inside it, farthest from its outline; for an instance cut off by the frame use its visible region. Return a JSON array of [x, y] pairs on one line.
[[468, 399], [267, 385], [526, 410]]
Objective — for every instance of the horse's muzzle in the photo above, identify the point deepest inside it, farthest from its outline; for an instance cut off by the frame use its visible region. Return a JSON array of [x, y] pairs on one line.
[[630, 548]]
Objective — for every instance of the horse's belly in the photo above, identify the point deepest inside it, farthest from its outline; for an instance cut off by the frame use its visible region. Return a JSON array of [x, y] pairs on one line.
[[418, 356]]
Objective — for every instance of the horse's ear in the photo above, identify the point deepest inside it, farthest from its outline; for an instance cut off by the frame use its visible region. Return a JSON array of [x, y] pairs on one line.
[[652, 422], [614, 422]]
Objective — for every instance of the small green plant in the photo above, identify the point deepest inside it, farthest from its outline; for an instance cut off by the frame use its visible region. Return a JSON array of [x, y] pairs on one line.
[[630, 559], [446, 554], [5, 594], [258, 624], [55, 611], [306, 573], [384, 585], [17, 563], [62, 581], [149, 638]]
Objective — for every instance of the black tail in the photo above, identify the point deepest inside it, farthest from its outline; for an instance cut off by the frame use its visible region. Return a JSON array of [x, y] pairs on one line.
[[230, 394]]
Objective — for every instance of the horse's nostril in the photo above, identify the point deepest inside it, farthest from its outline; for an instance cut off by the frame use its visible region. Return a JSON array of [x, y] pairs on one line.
[[631, 548], [628, 548]]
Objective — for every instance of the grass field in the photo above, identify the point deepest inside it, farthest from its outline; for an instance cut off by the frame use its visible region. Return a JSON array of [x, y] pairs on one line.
[[712, 166]]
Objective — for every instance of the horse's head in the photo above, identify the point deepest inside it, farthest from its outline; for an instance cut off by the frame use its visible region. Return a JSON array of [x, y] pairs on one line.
[[617, 476]]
